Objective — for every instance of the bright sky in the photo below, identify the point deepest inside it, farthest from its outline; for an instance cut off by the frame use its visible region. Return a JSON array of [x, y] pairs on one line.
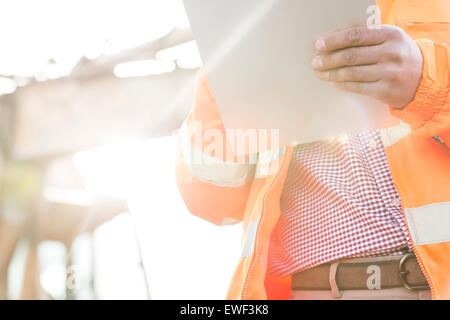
[[65, 30]]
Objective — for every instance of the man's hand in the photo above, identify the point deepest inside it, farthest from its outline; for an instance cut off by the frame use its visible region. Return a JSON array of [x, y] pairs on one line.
[[384, 63]]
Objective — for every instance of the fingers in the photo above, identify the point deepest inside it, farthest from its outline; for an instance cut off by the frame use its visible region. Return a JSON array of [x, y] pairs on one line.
[[369, 73], [353, 37], [383, 63], [347, 57]]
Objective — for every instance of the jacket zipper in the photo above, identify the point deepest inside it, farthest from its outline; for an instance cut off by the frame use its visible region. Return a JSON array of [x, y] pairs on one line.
[[422, 268], [257, 248]]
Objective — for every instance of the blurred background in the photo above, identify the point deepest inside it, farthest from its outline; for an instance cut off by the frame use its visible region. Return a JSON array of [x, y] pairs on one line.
[[91, 95]]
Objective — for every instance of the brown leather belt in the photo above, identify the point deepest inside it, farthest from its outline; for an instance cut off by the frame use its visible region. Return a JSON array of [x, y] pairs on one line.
[[355, 274]]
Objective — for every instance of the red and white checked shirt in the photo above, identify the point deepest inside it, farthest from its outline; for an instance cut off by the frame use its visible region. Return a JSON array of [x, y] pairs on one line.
[[339, 201]]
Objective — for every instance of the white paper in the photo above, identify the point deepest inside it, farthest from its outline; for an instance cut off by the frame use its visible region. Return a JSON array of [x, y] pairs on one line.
[[257, 55]]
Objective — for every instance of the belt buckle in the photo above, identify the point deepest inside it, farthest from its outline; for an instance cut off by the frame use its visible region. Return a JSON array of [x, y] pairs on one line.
[[404, 273]]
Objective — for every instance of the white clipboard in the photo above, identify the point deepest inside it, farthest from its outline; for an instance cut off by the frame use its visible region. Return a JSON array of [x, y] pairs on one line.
[[257, 55]]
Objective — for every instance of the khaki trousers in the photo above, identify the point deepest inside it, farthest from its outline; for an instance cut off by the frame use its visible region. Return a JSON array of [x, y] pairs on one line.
[[376, 294]]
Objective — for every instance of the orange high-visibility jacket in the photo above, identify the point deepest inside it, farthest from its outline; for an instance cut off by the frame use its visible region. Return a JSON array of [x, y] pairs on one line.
[[418, 153]]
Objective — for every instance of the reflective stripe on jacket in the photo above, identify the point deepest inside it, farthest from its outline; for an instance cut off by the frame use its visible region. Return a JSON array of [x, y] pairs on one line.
[[226, 191]]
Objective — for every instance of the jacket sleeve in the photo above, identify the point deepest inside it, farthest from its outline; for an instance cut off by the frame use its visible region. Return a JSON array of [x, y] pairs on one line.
[[429, 113], [214, 185]]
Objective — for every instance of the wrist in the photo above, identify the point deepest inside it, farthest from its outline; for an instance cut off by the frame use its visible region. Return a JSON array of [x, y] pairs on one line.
[[431, 93]]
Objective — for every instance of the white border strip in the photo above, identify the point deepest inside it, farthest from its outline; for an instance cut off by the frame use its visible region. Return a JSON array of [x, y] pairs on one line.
[[213, 170], [250, 238], [392, 135], [429, 224]]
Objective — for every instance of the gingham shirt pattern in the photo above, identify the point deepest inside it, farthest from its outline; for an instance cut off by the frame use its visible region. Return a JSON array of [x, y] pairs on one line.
[[338, 201]]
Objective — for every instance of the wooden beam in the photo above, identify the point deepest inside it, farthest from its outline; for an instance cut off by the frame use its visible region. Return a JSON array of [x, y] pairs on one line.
[[62, 116], [104, 65]]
